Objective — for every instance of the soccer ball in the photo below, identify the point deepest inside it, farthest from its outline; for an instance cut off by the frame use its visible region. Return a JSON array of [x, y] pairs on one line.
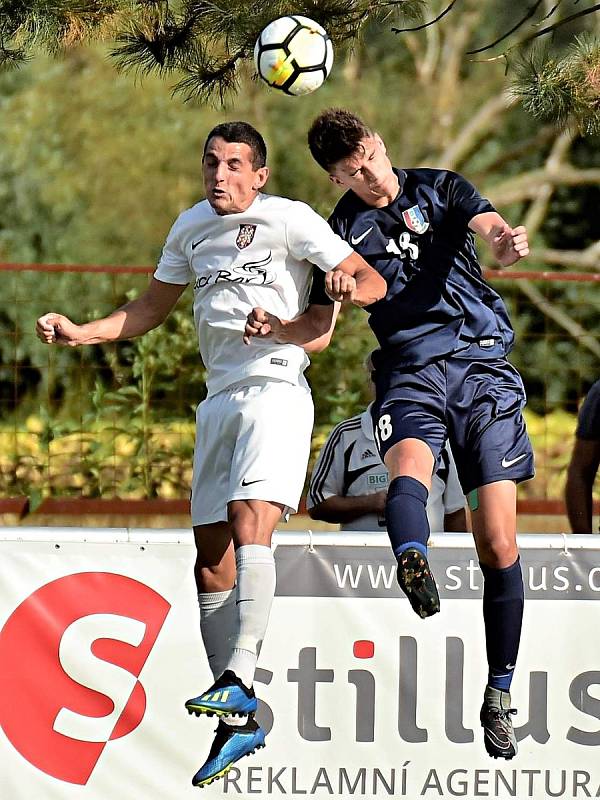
[[293, 54]]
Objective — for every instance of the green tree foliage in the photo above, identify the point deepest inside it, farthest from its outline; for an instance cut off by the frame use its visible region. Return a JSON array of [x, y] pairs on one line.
[[209, 46], [94, 168]]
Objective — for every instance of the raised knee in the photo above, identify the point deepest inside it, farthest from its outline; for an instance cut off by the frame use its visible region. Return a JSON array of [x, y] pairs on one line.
[[499, 552]]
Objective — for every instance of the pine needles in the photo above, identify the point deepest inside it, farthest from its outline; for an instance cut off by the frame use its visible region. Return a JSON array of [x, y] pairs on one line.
[[564, 91]]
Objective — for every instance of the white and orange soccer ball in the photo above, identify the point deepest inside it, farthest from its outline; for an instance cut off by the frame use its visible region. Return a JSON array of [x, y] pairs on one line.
[[293, 54]]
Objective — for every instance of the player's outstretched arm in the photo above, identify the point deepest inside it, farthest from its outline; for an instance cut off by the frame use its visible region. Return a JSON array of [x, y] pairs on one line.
[[311, 330], [340, 508], [134, 318], [507, 244], [355, 281]]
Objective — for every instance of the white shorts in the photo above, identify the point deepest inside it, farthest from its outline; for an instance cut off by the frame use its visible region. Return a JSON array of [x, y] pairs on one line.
[[252, 443]]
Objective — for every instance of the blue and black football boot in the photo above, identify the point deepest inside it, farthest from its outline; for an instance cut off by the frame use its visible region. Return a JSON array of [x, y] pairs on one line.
[[226, 697], [230, 744]]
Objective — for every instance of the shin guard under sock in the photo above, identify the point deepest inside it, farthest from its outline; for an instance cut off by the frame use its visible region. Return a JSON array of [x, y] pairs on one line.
[[255, 591], [405, 515]]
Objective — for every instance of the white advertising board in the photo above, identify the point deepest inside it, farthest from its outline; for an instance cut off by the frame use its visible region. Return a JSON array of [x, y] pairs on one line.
[[100, 647]]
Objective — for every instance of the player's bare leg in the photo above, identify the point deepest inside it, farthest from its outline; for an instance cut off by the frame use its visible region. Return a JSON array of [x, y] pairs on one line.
[[495, 524], [493, 515], [214, 572], [410, 465]]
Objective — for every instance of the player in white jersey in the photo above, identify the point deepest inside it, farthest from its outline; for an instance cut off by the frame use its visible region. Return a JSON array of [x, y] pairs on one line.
[[249, 258], [349, 483]]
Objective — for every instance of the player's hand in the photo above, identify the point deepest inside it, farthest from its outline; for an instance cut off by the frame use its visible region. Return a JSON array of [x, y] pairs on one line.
[[57, 329], [339, 286], [509, 244], [262, 324]]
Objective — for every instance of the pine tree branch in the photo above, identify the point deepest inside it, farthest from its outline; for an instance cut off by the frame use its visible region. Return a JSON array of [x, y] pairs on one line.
[[552, 11], [526, 39], [564, 91], [154, 42], [531, 11], [166, 36], [426, 24], [12, 58], [206, 80], [560, 23]]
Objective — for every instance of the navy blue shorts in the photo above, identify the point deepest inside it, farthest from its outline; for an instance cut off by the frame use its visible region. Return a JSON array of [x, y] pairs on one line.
[[477, 405]]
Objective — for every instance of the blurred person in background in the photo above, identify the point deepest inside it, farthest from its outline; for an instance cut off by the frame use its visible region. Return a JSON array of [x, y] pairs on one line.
[[348, 485], [583, 467]]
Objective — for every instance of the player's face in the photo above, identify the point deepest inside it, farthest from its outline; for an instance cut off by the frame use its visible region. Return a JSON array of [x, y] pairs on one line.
[[230, 181], [368, 173]]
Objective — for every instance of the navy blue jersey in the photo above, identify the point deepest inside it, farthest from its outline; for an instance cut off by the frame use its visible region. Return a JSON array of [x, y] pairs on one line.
[[437, 302], [317, 295]]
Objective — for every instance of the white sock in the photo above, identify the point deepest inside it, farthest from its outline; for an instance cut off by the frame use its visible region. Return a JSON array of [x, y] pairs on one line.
[[255, 591], [218, 625]]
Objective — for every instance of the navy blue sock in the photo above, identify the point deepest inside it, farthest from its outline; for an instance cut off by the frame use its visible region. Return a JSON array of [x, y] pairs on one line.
[[502, 615], [405, 515]]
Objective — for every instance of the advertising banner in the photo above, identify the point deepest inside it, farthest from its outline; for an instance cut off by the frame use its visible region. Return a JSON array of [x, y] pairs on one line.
[[100, 647]]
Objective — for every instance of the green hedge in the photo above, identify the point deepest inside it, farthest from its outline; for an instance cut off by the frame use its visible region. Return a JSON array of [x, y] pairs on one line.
[[129, 458]]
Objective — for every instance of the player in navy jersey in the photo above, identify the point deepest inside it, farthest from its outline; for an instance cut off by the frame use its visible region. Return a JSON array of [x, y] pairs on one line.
[[440, 372]]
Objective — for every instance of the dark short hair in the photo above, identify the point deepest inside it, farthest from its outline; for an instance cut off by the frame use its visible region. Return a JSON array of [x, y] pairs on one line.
[[244, 133], [334, 135]]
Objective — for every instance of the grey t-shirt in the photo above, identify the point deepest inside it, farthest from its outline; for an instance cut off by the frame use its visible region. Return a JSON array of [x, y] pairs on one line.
[[349, 465]]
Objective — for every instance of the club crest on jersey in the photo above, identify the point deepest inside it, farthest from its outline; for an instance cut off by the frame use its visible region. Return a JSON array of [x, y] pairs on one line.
[[245, 236], [414, 220]]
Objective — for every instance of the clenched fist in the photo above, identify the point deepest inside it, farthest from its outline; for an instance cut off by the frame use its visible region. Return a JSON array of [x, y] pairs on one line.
[[509, 245], [262, 324], [57, 329], [340, 286]]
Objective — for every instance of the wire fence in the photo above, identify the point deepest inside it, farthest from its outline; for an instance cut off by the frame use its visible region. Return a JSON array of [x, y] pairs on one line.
[[80, 427]]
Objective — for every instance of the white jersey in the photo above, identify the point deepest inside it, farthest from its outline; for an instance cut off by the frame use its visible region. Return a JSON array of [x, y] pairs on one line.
[[262, 257], [349, 466]]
